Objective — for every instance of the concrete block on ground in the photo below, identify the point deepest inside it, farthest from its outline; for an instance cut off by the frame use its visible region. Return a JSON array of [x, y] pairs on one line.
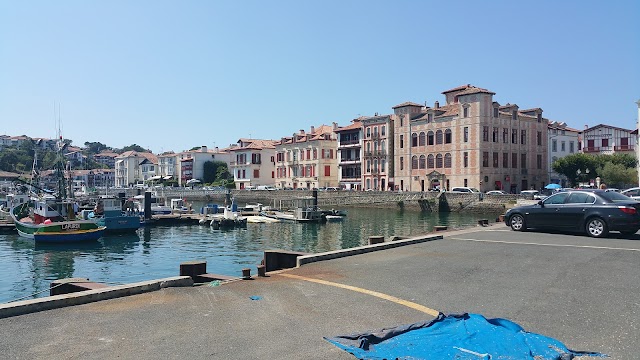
[[376, 239], [193, 268], [281, 259]]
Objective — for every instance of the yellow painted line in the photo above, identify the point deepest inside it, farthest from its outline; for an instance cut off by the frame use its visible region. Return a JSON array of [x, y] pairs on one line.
[[543, 244], [394, 299]]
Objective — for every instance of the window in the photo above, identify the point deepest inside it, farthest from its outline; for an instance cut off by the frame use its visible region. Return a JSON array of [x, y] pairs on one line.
[[447, 160], [514, 160], [414, 162], [438, 161], [554, 145], [581, 198], [423, 162], [439, 137], [466, 134], [421, 139], [485, 159], [401, 163], [505, 160], [571, 147], [539, 161], [485, 133], [256, 173], [523, 137], [523, 161], [414, 140], [382, 165], [562, 146], [368, 132], [430, 161], [539, 138], [465, 158], [495, 134], [384, 130], [605, 143], [495, 160], [429, 118], [514, 136], [539, 116], [465, 111], [327, 170], [315, 154], [430, 138], [514, 115], [368, 166], [308, 154], [496, 112], [505, 135], [447, 136]]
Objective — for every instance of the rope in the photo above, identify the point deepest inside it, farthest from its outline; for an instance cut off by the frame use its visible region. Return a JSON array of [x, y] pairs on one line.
[[34, 294]]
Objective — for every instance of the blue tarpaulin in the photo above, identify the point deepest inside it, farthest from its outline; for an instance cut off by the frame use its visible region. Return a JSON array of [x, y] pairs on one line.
[[463, 337]]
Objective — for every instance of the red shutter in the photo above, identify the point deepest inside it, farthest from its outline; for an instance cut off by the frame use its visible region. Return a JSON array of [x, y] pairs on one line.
[[327, 170]]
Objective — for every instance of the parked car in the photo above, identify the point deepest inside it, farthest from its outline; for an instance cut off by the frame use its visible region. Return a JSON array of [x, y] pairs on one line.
[[595, 212], [533, 194], [633, 193], [464, 189], [496, 192]]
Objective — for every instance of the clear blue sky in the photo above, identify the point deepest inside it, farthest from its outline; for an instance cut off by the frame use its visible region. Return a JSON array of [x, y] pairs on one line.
[[171, 75]]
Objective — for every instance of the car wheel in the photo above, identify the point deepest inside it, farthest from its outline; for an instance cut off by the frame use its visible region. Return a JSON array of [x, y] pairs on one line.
[[516, 221], [596, 227]]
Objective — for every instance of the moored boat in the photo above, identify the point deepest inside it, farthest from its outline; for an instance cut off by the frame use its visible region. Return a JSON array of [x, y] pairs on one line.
[[108, 213], [37, 219]]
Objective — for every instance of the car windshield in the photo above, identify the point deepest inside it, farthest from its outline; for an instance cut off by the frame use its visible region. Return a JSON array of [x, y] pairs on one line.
[[614, 196], [474, 190]]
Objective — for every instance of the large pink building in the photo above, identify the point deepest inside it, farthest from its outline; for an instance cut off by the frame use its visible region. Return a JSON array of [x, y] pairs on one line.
[[470, 141]]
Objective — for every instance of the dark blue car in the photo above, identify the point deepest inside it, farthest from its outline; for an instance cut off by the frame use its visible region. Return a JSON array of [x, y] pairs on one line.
[[595, 212]]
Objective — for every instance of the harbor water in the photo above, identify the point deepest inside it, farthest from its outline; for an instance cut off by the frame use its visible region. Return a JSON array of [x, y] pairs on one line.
[[27, 269]]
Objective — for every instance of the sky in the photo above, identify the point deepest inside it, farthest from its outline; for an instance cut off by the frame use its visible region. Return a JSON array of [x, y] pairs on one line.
[[173, 75]]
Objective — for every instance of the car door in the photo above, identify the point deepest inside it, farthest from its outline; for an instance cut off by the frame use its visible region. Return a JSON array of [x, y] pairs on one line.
[[546, 216], [575, 209]]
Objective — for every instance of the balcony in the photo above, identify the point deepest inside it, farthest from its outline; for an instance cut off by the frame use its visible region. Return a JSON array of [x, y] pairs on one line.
[[623, 148], [590, 149], [349, 142]]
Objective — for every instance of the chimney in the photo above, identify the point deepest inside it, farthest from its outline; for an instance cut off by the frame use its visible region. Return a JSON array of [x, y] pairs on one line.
[[436, 105], [586, 127], [335, 125], [217, 150], [203, 148], [313, 129], [301, 132]]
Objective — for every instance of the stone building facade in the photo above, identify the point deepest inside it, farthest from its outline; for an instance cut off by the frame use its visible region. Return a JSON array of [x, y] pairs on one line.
[[349, 156], [469, 141]]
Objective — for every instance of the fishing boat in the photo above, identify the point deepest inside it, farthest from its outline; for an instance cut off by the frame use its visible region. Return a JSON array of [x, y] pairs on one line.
[[108, 213], [49, 219]]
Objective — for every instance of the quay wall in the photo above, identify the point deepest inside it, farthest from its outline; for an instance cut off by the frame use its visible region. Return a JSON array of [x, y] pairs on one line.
[[412, 201]]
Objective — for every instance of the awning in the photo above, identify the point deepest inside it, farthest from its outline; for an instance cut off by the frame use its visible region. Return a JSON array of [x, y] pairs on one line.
[[157, 177], [167, 177]]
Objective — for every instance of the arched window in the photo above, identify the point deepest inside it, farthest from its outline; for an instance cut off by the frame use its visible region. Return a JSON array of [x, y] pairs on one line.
[[414, 140], [423, 161], [384, 128], [421, 139], [375, 165], [438, 137], [382, 147], [430, 161], [447, 136], [447, 160], [375, 146], [414, 162], [368, 147], [368, 166], [382, 165], [430, 138], [438, 161]]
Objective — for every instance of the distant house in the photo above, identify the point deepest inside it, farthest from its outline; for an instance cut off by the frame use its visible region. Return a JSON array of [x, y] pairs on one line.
[[607, 139], [254, 163], [191, 163], [132, 166], [107, 158]]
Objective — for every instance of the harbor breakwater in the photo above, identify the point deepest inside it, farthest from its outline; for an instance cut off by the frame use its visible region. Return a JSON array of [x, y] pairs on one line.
[[413, 201]]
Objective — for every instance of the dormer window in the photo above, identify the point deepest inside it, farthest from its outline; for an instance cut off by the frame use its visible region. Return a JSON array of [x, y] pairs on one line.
[[465, 111], [429, 118], [496, 112]]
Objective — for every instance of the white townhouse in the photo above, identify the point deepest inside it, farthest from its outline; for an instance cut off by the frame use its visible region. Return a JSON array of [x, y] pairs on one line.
[[563, 141], [191, 163], [132, 167], [253, 163], [607, 139]]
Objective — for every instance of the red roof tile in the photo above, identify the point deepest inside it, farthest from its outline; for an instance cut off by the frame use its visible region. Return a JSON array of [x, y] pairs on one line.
[[408, 103]]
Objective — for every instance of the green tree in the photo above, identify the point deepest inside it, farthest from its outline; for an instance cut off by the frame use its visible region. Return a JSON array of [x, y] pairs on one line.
[[575, 167], [222, 171], [209, 172], [133, 147], [617, 175], [92, 148]]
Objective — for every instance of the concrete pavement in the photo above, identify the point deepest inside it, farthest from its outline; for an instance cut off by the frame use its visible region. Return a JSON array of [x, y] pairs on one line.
[[581, 291]]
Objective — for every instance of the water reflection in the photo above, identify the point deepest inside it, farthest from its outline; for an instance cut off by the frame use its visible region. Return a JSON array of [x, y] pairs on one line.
[[155, 252]]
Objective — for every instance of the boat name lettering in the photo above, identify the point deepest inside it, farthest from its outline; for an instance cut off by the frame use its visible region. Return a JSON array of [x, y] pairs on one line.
[[70, 226]]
